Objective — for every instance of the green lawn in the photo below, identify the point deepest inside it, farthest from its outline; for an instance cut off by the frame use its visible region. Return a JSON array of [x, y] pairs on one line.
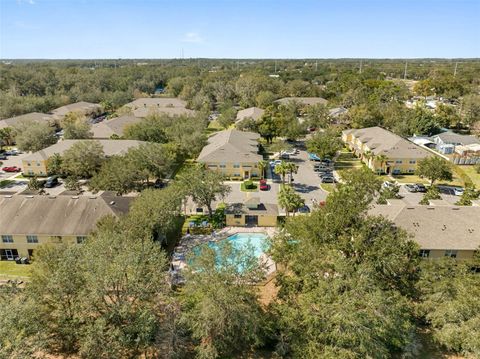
[[472, 173], [5, 183], [12, 270], [243, 189], [328, 187]]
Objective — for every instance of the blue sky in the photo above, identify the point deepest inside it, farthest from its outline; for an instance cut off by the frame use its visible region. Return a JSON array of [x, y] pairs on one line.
[[239, 28]]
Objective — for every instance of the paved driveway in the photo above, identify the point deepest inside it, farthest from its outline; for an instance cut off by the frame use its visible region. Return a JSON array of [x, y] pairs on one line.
[[414, 198]]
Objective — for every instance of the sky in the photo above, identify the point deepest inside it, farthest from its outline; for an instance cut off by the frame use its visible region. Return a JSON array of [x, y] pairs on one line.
[[79, 29]]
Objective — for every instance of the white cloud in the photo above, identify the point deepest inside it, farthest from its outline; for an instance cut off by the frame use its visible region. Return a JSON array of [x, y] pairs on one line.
[[193, 37], [30, 2]]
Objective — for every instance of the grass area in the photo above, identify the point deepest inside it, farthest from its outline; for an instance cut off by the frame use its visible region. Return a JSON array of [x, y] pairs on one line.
[[12, 270], [254, 189], [26, 178], [404, 179], [5, 183], [470, 172], [328, 187]]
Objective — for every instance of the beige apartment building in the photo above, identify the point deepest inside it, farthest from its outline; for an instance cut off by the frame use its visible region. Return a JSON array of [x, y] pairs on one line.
[[233, 153], [383, 151], [30, 221]]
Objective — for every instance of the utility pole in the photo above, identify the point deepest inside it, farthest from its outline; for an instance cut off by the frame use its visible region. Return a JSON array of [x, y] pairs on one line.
[[316, 65], [275, 66], [361, 62], [405, 72], [455, 71]]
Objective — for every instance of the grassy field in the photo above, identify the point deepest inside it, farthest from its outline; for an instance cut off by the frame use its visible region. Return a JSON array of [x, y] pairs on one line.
[[472, 173], [5, 183], [12, 270], [328, 187]]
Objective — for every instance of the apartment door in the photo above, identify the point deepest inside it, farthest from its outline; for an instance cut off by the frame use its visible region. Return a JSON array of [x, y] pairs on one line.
[[251, 220], [246, 174], [9, 254]]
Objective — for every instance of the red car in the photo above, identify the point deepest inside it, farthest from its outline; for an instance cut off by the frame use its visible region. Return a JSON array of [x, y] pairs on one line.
[[11, 169], [263, 185]]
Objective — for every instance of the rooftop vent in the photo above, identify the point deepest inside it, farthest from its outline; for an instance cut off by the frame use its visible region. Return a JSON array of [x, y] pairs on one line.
[[30, 196], [112, 203], [455, 209], [92, 197], [8, 196], [74, 197], [52, 197]]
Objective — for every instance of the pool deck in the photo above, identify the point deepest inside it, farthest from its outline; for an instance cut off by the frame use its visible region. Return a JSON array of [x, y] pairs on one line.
[[188, 242]]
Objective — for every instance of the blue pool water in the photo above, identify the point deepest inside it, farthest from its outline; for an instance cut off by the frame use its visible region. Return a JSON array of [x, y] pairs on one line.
[[256, 241]]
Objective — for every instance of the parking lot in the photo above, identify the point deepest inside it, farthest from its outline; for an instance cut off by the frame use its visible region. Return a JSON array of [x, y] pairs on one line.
[[413, 198]]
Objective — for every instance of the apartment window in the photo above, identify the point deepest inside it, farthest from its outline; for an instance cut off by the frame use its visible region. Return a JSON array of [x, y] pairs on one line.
[[212, 166], [222, 165], [246, 166], [81, 239], [412, 162], [32, 239], [424, 253], [29, 164], [38, 164], [237, 216], [451, 253], [398, 161], [236, 165], [7, 239], [411, 170]]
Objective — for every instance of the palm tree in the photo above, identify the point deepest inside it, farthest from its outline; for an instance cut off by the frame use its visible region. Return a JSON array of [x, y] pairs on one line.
[[368, 155], [382, 159], [289, 199], [262, 165], [281, 169], [291, 168]]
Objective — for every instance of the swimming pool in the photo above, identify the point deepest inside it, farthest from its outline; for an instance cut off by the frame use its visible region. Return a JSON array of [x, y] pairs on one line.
[[257, 241]]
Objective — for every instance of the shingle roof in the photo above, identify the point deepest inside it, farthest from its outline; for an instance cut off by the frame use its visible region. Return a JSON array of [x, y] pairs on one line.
[[262, 209], [436, 227], [33, 116], [231, 146], [381, 141], [170, 111], [110, 148], [171, 106], [303, 100], [455, 138], [82, 106], [57, 216], [254, 113], [116, 126]]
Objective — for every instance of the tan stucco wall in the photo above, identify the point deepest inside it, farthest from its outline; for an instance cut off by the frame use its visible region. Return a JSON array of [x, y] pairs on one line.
[[228, 168], [38, 168], [22, 246], [263, 221]]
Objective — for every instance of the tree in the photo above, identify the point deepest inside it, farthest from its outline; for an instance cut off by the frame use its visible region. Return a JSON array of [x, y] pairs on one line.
[[281, 169], [203, 185], [262, 166], [447, 116], [291, 169], [265, 99], [382, 159], [34, 183], [266, 126], [54, 164], [471, 109], [227, 117], [449, 292], [76, 126], [154, 159], [220, 306], [72, 184], [150, 129], [468, 195], [289, 199], [34, 136], [317, 116], [431, 194], [6, 136], [83, 159], [434, 168], [324, 144]]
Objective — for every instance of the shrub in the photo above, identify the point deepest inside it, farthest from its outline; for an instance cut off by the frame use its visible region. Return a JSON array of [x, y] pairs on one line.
[[249, 184]]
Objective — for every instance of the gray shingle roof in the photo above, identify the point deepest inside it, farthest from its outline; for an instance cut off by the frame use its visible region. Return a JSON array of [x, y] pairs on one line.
[[303, 100], [381, 141], [231, 146], [33, 116], [261, 209], [110, 148], [254, 113], [116, 126], [82, 106], [57, 216], [441, 227], [455, 138]]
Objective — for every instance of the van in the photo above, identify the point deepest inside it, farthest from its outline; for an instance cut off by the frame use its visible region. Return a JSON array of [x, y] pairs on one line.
[[51, 182]]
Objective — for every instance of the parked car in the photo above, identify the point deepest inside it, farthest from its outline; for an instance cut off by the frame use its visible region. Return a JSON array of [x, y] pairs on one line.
[[274, 163], [327, 161], [458, 191], [304, 209], [284, 156], [12, 152], [411, 188], [2, 156], [11, 169], [420, 188], [51, 182], [325, 174], [263, 185], [313, 157], [291, 152], [159, 183], [321, 169], [388, 184], [328, 179]]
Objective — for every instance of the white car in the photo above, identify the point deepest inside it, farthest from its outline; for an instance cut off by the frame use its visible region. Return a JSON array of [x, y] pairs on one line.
[[388, 184], [291, 152], [458, 191]]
